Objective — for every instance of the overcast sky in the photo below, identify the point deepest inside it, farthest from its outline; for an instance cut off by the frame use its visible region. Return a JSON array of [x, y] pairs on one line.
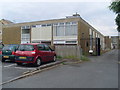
[[95, 13]]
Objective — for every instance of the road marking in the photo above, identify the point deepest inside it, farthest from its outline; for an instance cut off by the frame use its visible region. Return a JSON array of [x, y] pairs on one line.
[[29, 74], [23, 68], [9, 65], [37, 70]]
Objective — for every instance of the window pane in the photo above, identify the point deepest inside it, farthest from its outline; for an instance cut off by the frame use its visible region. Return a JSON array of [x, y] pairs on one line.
[[67, 30], [71, 30], [67, 23], [47, 48], [41, 47], [61, 23], [60, 31]]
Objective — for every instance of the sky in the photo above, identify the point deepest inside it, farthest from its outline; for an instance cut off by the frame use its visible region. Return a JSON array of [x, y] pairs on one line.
[[96, 13]]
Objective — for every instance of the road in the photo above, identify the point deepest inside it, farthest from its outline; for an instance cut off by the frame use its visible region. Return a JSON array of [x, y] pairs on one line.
[[99, 72]]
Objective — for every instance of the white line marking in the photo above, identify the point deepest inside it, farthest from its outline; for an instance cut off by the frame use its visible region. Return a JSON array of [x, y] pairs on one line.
[[23, 68], [9, 65]]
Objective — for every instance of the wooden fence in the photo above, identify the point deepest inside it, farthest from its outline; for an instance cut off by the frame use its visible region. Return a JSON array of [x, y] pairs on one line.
[[66, 51]]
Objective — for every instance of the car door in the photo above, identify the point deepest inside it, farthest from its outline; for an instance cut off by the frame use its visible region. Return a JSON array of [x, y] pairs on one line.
[[50, 53], [42, 52]]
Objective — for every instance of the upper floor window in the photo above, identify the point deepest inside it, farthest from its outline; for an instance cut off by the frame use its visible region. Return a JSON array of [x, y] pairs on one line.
[[61, 23], [43, 25], [25, 27], [74, 23], [67, 23]]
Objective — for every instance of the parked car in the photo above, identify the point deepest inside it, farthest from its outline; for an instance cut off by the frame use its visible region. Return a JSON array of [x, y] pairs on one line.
[[34, 53], [8, 52], [1, 46]]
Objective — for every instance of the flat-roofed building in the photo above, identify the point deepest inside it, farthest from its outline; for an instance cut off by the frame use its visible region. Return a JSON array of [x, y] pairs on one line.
[[72, 30]]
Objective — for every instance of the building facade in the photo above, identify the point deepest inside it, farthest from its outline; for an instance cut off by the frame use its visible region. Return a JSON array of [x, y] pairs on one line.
[[3, 22], [72, 30], [108, 42], [115, 42]]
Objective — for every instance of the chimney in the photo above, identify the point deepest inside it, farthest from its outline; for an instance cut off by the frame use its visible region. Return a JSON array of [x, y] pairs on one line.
[[74, 16]]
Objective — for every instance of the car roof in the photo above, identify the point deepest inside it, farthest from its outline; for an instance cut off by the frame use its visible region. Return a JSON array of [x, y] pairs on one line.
[[31, 43], [13, 44]]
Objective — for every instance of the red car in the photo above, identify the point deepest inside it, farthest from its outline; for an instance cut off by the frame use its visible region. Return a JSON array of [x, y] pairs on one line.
[[34, 53]]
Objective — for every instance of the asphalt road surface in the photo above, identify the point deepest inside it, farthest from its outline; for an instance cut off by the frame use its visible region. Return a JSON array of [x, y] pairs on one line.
[[99, 72]]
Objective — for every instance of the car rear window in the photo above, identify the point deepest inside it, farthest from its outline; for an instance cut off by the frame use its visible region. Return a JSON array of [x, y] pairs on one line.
[[26, 48], [9, 48]]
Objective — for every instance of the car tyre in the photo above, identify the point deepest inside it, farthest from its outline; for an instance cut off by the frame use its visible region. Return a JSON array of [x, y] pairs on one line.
[[38, 62], [19, 63], [54, 59], [3, 60]]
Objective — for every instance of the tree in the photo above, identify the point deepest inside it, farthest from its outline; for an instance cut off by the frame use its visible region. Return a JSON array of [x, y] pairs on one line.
[[115, 7]]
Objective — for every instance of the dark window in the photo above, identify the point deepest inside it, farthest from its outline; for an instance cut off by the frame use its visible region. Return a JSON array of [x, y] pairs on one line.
[[87, 44], [33, 25], [44, 25], [70, 41], [41, 47], [10, 47], [47, 48], [26, 48], [49, 25]]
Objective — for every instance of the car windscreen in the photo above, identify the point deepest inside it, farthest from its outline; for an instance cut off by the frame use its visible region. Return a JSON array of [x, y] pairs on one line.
[[26, 48], [9, 48]]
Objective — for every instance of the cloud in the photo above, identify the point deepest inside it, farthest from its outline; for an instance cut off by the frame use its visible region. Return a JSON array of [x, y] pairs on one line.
[[95, 13], [55, 0]]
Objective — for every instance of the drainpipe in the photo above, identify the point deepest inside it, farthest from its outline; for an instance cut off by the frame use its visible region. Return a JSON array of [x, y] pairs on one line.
[[52, 44]]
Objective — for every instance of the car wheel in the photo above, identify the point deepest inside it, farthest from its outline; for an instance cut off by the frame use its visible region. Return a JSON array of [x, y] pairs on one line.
[[38, 62], [19, 63], [3, 60], [54, 59]]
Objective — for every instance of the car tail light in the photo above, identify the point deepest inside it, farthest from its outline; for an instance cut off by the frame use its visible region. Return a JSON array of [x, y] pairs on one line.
[[0, 52], [13, 53]]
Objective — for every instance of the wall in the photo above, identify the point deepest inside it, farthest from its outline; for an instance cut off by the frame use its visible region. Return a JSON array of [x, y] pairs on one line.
[[83, 32], [67, 51], [41, 33], [107, 42], [114, 42], [11, 35], [87, 37]]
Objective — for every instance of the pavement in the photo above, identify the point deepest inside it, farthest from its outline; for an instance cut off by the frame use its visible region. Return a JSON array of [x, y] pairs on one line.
[[99, 72]]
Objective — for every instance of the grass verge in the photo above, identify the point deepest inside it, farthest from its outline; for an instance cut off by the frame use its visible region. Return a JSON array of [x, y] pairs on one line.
[[84, 58]]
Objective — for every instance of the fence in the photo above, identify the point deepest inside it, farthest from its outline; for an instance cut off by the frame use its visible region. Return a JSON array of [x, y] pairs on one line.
[[66, 51]]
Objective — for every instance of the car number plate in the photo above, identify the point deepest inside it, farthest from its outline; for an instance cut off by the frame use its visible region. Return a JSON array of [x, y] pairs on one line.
[[6, 56], [22, 57]]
